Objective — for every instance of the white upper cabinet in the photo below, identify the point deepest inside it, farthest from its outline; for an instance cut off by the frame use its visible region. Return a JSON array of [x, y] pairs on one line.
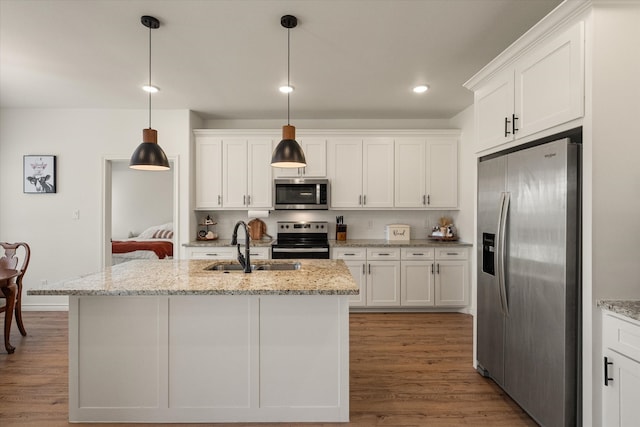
[[543, 88], [233, 172], [315, 152], [361, 172], [426, 172], [208, 173], [550, 83]]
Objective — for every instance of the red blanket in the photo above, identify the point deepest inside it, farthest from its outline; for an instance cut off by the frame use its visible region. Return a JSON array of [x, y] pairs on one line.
[[162, 248]]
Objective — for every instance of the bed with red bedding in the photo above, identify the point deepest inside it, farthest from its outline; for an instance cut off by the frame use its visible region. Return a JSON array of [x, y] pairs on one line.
[[126, 250]]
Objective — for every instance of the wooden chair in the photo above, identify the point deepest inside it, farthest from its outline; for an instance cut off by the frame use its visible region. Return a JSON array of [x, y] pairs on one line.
[[16, 257]]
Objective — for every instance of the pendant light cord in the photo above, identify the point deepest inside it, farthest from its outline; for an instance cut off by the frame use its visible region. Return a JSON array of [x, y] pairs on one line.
[[288, 73], [149, 76]]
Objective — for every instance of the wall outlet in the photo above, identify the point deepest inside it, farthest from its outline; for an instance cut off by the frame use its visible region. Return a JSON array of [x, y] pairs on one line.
[[44, 282], [76, 214], [370, 224]]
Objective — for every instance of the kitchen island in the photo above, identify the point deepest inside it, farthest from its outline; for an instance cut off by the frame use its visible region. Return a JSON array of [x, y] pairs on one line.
[[169, 341]]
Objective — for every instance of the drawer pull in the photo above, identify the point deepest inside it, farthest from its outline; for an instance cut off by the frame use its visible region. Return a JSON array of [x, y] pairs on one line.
[[453, 253], [349, 254], [384, 254], [606, 371], [419, 254], [211, 254]]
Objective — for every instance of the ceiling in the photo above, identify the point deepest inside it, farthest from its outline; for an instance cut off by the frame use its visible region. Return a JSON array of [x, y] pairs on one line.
[[225, 59]]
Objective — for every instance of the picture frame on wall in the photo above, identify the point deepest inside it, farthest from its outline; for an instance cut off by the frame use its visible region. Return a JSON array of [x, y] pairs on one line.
[[39, 174]]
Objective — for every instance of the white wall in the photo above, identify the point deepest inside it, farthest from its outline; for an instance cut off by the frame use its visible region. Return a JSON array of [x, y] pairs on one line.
[[61, 246]]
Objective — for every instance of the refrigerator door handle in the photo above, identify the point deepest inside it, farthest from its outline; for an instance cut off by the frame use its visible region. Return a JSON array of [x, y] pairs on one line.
[[502, 226]]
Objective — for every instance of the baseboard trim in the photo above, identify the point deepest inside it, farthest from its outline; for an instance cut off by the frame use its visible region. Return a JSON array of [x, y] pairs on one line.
[[45, 307]]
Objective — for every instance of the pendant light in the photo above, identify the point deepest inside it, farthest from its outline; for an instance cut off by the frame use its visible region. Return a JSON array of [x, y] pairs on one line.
[[288, 153], [149, 155]]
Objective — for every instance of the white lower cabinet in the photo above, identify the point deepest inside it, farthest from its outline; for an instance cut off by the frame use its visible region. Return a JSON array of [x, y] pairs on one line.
[[383, 277], [356, 261], [621, 387], [408, 277], [225, 252]]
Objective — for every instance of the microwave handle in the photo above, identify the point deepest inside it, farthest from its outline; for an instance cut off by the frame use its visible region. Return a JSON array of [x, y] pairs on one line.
[[318, 194]]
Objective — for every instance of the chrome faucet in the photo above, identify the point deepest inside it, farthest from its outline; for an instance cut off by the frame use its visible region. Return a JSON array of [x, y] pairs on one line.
[[244, 260]]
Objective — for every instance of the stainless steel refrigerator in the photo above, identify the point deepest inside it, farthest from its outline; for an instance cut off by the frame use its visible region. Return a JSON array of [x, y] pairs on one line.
[[528, 319]]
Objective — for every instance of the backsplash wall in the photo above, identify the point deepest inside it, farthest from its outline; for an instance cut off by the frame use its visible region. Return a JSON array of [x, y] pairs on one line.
[[360, 224]]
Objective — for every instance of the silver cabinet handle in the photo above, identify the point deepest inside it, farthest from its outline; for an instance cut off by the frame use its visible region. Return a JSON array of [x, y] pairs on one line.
[[363, 270], [453, 253], [364, 199], [428, 199], [424, 199], [244, 200], [369, 268], [248, 200], [384, 254], [417, 254], [360, 199], [438, 269], [349, 254], [219, 200]]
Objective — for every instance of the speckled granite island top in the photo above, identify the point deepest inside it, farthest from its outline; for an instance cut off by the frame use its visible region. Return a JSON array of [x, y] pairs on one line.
[[355, 243], [629, 308], [189, 277]]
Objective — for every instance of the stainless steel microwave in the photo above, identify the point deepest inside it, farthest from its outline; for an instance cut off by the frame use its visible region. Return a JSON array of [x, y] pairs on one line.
[[301, 193]]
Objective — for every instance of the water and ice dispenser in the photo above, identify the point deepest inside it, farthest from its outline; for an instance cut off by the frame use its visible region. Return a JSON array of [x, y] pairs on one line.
[[488, 253]]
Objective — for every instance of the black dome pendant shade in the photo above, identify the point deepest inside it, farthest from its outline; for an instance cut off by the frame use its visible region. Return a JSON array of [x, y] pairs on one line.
[[149, 156], [288, 153]]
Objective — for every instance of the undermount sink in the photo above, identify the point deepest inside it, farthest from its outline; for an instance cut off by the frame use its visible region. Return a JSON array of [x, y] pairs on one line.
[[281, 266]]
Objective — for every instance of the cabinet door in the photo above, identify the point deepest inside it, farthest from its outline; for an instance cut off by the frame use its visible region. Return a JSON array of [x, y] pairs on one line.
[[315, 152], [377, 173], [383, 283], [494, 106], [442, 173], [549, 83], [452, 278], [260, 183], [234, 173], [208, 172], [622, 394], [416, 283], [344, 167], [410, 173], [357, 269]]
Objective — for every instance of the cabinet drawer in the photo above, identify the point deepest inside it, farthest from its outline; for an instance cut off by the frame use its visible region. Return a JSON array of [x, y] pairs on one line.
[[451, 253], [259, 253], [621, 335], [383, 254], [212, 252], [350, 253], [417, 253]]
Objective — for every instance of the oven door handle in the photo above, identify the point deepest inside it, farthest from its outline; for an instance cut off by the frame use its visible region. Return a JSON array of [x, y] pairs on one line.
[[300, 250]]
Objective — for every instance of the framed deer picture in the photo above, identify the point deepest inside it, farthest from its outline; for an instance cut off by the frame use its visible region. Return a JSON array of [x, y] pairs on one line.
[[39, 174]]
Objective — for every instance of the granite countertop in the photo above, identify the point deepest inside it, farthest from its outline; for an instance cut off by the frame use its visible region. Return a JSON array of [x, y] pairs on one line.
[[349, 243], [227, 242], [188, 277], [629, 308], [354, 243]]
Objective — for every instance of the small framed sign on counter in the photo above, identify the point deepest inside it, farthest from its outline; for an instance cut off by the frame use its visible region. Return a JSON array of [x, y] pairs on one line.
[[39, 174]]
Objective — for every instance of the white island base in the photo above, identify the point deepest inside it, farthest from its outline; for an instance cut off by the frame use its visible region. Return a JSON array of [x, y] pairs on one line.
[[209, 358]]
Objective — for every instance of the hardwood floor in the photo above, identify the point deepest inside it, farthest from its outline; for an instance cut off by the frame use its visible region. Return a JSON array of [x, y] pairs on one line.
[[410, 369]]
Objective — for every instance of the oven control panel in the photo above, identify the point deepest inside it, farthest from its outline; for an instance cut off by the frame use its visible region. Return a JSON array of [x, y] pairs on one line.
[[302, 227]]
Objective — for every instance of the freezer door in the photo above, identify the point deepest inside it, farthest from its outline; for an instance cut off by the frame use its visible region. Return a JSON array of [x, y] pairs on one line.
[[541, 271], [490, 316]]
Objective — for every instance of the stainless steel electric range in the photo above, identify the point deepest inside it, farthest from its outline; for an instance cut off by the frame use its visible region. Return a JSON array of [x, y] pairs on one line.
[[301, 239]]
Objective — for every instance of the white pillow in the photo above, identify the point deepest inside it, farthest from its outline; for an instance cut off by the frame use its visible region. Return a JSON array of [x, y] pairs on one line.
[[149, 232]]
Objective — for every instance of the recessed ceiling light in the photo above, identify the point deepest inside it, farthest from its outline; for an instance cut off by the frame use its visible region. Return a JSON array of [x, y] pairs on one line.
[[150, 88], [421, 89], [286, 89]]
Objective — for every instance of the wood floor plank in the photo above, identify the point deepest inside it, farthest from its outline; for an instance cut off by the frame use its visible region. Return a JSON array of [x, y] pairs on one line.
[[406, 369]]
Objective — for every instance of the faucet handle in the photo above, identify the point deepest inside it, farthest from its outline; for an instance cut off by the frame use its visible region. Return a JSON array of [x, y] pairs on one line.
[[241, 258]]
